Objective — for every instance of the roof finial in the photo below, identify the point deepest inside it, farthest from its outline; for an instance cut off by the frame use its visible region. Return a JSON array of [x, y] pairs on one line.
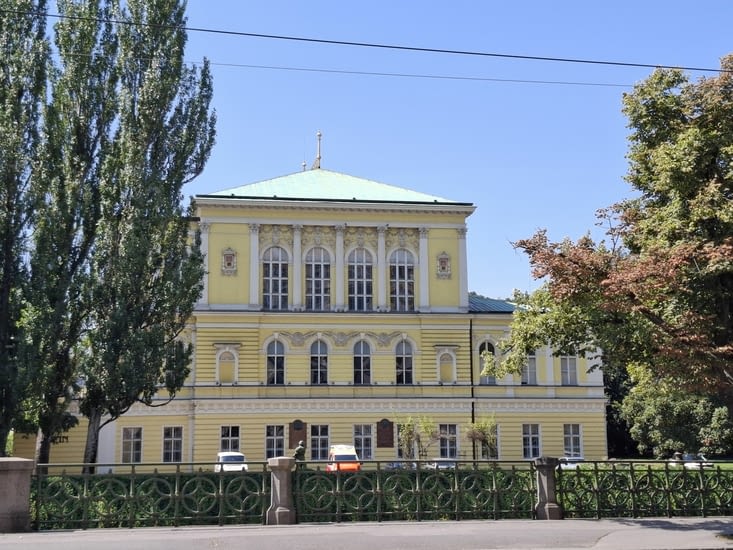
[[303, 165], [317, 162]]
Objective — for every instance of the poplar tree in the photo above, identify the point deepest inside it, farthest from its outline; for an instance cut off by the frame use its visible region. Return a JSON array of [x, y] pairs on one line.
[[115, 269], [24, 54]]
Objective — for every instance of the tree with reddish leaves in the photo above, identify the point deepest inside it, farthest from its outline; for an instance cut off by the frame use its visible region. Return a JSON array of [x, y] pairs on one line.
[[658, 291]]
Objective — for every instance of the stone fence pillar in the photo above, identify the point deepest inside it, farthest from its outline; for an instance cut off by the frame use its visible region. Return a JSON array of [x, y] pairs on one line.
[[15, 491], [281, 510], [547, 506]]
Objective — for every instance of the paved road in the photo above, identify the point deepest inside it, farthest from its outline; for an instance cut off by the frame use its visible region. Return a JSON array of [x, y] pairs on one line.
[[649, 534]]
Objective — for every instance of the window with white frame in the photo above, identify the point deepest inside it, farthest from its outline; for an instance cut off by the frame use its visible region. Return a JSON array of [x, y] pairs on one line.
[[275, 363], [319, 442], [530, 441], [274, 441], [132, 445], [319, 362], [448, 439], [362, 363], [486, 353], [568, 371], [229, 438], [360, 280], [172, 443], [401, 281], [275, 279], [572, 443], [529, 371], [363, 441], [317, 280], [403, 362]]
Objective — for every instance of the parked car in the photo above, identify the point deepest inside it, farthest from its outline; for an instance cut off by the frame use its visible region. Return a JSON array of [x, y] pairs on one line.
[[230, 461], [570, 462], [343, 458], [400, 466], [695, 461], [441, 464]]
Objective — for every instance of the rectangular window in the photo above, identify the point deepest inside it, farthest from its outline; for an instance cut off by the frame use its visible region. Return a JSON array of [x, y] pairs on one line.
[[229, 440], [132, 445], [363, 440], [530, 440], [572, 444], [568, 371], [448, 440], [172, 444], [319, 442], [274, 441], [529, 372]]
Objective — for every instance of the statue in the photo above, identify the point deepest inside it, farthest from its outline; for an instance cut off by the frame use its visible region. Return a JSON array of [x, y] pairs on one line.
[[299, 453]]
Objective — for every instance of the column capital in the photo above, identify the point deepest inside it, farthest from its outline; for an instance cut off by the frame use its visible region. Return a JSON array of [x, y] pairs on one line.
[[254, 228]]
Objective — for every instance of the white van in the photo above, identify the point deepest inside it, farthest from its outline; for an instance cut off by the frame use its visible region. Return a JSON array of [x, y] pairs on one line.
[[230, 461]]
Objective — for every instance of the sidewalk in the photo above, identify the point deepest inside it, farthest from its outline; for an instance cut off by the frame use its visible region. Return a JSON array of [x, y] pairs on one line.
[[626, 534]]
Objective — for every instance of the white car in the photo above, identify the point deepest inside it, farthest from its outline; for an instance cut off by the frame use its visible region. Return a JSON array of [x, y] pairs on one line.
[[695, 461], [230, 461], [570, 462]]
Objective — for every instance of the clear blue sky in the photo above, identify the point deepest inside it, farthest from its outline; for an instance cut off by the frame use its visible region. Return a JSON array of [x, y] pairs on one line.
[[529, 154]]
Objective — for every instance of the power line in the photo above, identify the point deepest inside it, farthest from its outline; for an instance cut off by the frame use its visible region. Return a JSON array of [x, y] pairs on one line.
[[415, 75], [390, 46]]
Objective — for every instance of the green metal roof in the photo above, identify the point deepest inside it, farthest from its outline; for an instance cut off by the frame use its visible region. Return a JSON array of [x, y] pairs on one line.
[[479, 304], [322, 184]]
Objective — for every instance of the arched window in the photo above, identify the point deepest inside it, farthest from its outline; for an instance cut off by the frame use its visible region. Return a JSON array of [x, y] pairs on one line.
[[403, 362], [362, 363], [317, 280], [401, 281], [275, 278], [360, 280], [486, 349], [275, 363], [319, 362]]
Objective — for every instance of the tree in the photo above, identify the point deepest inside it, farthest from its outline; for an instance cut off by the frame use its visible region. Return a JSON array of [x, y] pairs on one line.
[[146, 270], [24, 52], [659, 291], [664, 420], [483, 433], [416, 434]]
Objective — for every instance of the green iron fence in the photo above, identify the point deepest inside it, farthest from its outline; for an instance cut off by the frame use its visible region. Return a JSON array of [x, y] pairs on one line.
[[62, 497], [644, 489], [147, 495]]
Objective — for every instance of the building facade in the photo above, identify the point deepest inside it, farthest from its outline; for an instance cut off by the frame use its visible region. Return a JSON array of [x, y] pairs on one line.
[[334, 309]]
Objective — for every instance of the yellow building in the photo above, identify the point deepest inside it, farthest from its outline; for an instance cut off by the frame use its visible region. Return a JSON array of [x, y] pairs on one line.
[[335, 308]]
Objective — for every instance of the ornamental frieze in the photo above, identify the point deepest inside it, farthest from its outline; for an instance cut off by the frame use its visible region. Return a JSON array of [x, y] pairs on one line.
[[340, 338]]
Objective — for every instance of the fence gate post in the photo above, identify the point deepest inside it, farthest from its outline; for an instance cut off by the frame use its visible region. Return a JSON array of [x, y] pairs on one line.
[[15, 488], [281, 510], [547, 506]]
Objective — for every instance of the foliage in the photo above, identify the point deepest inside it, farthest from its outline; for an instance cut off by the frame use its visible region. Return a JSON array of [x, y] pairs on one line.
[[416, 434], [664, 419], [24, 52], [659, 291], [100, 268], [483, 433]]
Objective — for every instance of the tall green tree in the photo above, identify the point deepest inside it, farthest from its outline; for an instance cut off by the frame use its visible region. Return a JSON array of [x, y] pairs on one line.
[[24, 53], [146, 267], [659, 290], [77, 121]]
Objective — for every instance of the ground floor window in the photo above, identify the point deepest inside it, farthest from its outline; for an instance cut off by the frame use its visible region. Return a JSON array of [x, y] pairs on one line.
[[571, 440], [172, 443], [132, 445], [274, 441], [363, 440], [531, 440], [448, 434], [319, 442], [229, 440]]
